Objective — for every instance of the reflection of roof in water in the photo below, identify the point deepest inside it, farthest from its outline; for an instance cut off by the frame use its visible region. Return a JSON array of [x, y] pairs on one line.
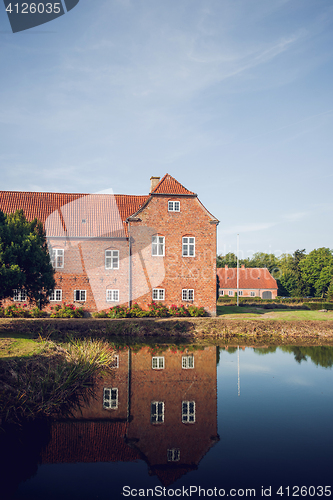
[[88, 442]]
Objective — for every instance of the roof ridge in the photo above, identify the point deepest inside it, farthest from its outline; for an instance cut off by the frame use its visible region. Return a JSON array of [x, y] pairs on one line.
[[172, 186]]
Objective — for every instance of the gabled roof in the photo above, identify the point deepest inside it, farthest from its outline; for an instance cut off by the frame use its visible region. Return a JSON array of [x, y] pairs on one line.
[[169, 185], [63, 213], [249, 278]]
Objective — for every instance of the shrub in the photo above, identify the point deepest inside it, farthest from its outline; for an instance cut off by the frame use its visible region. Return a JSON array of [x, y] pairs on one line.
[[67, 311], [16, 311], [157, 310], [196, 311], [37, 313], [118, 312]]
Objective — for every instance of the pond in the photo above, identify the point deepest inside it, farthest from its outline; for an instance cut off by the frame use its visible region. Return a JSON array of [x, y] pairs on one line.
[[187, 422]]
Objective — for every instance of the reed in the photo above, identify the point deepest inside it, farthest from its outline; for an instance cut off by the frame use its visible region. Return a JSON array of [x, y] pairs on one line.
[[53, 383]]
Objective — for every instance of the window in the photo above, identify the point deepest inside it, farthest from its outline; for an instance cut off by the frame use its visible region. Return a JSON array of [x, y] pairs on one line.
[[188, 412], [157, 362], [221, 292], [174, 206], [115, 361], [240, 292], [158, 293], [157, 412], [173, 455], [112, 295], [57, 257], [157, 246], [187, 362], [19, 295], [230, 293], [253, 294], [56, 295], [111, 259], [187, 294], [110, 398], [188, 246], [80, 295]]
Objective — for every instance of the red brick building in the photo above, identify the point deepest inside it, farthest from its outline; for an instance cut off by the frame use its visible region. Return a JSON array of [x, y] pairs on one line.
[[118, 249], [253, 282]]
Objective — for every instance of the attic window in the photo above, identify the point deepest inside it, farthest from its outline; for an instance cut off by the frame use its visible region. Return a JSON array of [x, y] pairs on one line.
[[84, 221], [174, 206]]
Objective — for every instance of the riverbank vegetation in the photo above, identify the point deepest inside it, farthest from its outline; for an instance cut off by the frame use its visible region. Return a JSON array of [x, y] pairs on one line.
[[51, 379]]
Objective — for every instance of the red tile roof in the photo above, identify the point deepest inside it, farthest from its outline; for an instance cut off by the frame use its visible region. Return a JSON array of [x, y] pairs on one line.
[[63, 214], [249, 278], [169, 185], [88, 442]]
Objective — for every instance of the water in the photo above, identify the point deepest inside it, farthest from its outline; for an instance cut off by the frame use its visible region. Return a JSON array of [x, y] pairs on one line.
[[225, 421]]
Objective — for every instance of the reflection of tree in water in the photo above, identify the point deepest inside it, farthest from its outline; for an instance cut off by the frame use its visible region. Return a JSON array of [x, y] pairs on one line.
[[21, 448], [319, 355], [264, 350]]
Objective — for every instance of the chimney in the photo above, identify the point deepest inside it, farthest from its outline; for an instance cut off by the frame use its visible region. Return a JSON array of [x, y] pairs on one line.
[[243, 266], [226, 267], [153, 183]]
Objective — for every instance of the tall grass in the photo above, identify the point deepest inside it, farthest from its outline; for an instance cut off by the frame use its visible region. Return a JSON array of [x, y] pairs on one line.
[[53, 383]]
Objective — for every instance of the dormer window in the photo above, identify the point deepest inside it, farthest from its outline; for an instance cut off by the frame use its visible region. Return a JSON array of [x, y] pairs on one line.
[[174, 206]]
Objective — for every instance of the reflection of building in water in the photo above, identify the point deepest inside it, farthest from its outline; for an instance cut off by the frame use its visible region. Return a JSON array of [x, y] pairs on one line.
[[157, 406]]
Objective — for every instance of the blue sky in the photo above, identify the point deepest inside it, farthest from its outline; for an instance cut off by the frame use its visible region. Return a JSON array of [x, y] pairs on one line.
[[234, 98]]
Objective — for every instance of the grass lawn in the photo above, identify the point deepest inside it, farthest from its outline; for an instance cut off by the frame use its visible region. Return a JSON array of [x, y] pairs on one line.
[[241, 313], [12, 345]]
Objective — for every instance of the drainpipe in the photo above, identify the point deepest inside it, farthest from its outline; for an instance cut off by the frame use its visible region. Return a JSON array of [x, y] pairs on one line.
[[129, 266]]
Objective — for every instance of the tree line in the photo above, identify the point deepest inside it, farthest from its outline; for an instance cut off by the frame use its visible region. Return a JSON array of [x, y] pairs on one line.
[[297, 275]]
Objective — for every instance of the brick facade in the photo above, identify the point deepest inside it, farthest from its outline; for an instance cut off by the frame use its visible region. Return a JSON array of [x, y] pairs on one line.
[[93, 232]]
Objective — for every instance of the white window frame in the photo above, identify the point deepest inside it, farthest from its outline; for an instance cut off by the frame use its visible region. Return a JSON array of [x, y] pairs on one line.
[[221, 293], [110, 398], [240, 293], [112, 295], [83, 295], [188, 294], [157, 412], [57, 257], [158, 294], [188, 246], [188, 417], [173, 206], [56, 295], [188, 362], [158, 246], [173, 455], [157, 362], [19, 295], [115, 361], [231, 293], [111, 259], [252, 294]]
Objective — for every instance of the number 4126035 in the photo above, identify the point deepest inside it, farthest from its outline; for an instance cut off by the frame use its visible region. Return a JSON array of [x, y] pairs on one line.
[[33, 8]]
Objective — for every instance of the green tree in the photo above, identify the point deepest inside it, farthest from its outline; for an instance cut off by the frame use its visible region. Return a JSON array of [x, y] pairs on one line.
[[24, 258], [230, 260], [317, 270]]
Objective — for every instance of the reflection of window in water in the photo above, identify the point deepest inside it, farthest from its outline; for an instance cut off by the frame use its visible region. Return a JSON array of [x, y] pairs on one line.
[[187, 362], [157, 412], [115, 361], [158, 362], [188, 412], [110, 398], [173, 455]]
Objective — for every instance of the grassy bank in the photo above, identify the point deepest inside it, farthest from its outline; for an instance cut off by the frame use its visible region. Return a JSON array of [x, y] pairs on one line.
[[44, 378], [269, 327]]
